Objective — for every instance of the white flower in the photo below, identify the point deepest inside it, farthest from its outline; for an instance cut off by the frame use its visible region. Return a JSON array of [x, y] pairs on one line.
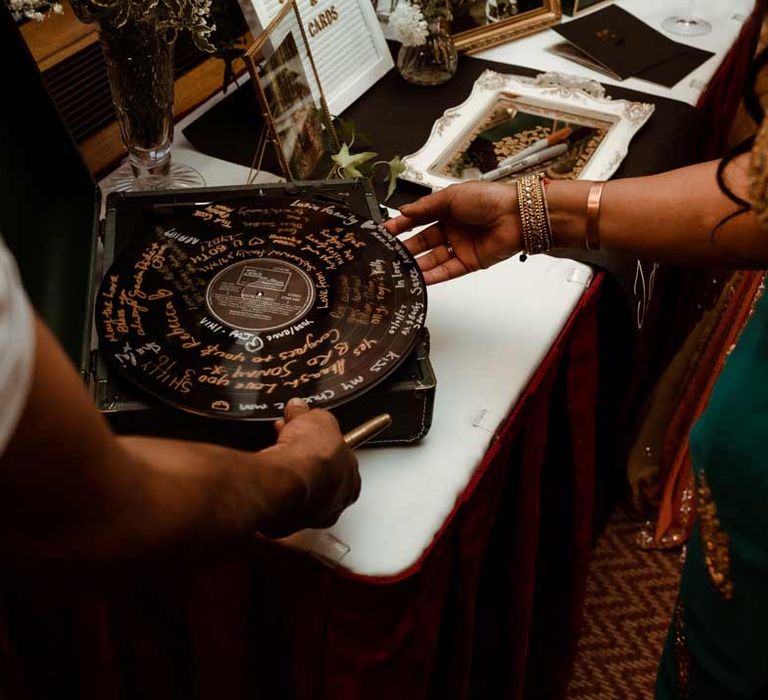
[[408, 24]]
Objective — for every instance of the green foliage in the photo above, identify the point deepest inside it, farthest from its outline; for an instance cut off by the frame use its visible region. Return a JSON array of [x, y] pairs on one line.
[[229, 36], [435, 9], [217, 28], [166, 15], [396, 169], [353, 165], [348, 163]]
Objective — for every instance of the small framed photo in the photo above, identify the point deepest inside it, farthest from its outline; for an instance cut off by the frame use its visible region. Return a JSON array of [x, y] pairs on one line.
[[384, 9], [291, 97], [480, 24], [346, 40], [566, 124]]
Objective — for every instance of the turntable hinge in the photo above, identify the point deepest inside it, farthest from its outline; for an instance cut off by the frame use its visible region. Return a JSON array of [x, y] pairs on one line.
[[89, 375]]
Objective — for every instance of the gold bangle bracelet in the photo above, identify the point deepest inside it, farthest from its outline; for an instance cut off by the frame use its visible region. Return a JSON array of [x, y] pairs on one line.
[[535, 226], [592, 235]]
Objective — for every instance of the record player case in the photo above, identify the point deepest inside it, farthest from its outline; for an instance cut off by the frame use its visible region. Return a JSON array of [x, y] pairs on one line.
[[49, 218], [407, 394]]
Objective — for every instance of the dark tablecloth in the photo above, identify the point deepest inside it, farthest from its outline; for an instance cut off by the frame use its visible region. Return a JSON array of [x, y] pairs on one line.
[[398, 116]]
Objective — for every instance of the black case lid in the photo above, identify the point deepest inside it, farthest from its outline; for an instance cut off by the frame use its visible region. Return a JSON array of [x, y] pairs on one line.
[[48, 199]]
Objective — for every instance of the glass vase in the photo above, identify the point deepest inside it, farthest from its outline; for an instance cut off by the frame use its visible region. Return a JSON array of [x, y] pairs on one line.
[[140, 66], [433, 62]]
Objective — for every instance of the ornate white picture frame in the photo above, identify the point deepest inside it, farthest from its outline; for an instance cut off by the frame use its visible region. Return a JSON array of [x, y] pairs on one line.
[[346, 41], [564, 99]]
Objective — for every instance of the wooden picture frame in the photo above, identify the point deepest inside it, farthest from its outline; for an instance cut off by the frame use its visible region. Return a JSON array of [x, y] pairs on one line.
[[345, 37], [470, 35]]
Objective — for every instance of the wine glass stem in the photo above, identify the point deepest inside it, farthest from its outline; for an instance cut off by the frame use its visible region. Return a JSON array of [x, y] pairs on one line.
[[691, 11]]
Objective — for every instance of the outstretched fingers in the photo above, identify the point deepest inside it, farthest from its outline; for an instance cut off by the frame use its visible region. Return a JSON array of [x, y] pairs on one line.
[[426, 239], [398, 225], [441, 264], [433, 207], [449, 269]]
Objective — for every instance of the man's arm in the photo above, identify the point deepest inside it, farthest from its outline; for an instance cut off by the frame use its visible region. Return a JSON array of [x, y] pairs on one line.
[[70, 488]]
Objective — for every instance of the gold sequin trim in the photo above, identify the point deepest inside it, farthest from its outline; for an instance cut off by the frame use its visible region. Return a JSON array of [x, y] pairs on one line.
[[758, 174], [753, 305], [717, 555], [676, 536]]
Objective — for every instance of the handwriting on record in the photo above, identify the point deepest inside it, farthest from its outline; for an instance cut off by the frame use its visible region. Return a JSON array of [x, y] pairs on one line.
[[231, 308]]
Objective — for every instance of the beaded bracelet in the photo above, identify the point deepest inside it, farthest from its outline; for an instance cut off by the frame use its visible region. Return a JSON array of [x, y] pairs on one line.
[[535, 226]]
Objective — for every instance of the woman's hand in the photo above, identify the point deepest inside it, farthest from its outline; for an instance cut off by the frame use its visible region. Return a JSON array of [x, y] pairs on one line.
[[476, 224], [311, 474]]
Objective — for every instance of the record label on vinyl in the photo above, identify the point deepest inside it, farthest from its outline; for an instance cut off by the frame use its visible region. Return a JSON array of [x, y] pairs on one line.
[[230, 308], [260, 294]]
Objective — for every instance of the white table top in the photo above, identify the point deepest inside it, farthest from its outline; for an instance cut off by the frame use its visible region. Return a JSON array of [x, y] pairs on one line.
[[485, 347], [490, 331]]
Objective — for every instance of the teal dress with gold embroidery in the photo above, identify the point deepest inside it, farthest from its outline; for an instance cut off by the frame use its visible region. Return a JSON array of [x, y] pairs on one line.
[[717, 647]]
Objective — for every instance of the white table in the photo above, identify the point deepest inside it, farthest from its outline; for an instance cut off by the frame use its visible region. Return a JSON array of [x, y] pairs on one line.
[[407, 492], [505, 319]]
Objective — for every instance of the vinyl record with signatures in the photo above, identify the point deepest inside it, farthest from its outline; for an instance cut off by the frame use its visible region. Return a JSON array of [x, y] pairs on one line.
[[230, 308]]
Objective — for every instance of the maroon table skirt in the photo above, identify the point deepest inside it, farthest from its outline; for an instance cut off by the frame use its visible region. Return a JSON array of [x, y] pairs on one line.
[[491, 609]]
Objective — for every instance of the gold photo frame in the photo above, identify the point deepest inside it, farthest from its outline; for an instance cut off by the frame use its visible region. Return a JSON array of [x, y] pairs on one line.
[[296, 115], [480, 24]]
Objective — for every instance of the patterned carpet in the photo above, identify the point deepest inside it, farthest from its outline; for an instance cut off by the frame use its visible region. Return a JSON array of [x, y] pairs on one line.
[[630, 596]]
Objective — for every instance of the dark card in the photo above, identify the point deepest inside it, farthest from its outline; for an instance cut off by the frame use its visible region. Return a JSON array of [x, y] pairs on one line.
[[619, 41], [671, 72]]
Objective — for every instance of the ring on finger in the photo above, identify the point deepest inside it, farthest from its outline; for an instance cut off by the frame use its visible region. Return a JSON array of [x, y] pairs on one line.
[[449, 248]]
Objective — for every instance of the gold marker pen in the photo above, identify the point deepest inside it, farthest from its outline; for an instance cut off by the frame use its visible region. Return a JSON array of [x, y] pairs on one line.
[[364, 432]]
